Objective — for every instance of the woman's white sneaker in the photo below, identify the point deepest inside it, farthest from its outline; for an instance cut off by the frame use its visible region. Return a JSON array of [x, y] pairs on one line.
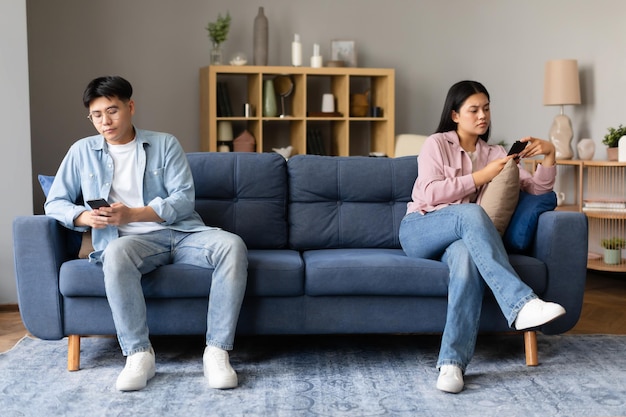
[[450, 379], [140, 367], [217, 369], [537, 312]]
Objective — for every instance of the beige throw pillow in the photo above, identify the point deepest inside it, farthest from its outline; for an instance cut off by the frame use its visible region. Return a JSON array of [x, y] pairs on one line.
[[86, 247], [501, 195]]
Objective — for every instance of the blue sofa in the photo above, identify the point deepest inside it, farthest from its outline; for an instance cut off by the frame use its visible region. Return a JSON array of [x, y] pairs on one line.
[[324, 258]]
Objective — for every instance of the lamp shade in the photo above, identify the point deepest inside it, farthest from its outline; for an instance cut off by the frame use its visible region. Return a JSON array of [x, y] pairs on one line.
[[224, 131], [561, 85]]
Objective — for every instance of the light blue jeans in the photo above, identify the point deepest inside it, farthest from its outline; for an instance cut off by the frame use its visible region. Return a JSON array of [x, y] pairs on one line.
[[464, 237], [127, 258]]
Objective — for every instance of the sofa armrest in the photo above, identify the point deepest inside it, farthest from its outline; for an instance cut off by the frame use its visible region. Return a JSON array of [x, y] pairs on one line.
[[561, 242], [39, 250]]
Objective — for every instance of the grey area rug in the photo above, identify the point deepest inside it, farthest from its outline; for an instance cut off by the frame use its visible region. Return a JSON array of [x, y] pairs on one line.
[[380, 375]]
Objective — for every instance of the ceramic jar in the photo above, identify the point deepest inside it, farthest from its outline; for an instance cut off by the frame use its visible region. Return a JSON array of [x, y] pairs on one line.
[[586, 149]]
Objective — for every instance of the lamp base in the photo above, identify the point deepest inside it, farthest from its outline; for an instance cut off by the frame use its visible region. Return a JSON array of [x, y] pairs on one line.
[[561, 135]]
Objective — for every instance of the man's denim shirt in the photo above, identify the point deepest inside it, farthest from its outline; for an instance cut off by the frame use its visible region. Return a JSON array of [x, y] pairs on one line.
[[86, 173]]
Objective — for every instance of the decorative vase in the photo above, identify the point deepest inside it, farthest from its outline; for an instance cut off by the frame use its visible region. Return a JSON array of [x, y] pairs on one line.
[[612, 153], [612, 256], [216, 54], [269, 99], [586, 148], [224, 136], [561, 136], [621, 149], [260, 38], [244, 142]]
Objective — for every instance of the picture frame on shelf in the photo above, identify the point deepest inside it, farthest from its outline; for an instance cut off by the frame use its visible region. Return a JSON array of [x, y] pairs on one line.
[[343, 50]]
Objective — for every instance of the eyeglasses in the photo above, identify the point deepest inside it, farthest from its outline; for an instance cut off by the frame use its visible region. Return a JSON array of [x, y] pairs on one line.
[[113, 113]]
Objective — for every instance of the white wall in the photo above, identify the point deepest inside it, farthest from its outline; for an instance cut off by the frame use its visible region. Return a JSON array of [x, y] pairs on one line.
[[15, 168]]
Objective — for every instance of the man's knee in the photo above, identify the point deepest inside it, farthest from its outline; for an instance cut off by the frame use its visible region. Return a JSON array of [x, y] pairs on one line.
[[236, 247]]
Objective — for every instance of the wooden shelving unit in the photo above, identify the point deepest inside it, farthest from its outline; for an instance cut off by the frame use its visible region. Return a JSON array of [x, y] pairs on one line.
[[342, 134], [604, 203], [598, 189]]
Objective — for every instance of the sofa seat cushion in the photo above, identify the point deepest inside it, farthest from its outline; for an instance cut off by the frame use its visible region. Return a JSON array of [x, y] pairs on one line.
[[372, 272], [278, 273], [389, 272]]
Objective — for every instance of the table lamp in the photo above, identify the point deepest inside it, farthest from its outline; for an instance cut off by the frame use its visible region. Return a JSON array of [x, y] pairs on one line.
[[224, 136], [561, 87]]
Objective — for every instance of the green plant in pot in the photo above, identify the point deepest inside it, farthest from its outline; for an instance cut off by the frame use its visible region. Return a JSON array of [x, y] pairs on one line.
[[611, 140], [613, 250], [218, 33]]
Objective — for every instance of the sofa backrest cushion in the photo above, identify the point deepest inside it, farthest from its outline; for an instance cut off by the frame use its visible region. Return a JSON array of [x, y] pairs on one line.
[[348, 202], [243, 193]]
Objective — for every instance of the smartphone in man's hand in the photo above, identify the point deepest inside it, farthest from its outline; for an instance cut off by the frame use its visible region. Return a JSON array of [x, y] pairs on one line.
[[96, 204]]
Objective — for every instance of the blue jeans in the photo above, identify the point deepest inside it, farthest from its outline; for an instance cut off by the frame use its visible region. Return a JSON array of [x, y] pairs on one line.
[[464, 237], [127, 258]]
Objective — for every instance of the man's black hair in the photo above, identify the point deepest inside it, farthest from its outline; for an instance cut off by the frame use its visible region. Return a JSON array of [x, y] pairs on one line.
[[109, 86]]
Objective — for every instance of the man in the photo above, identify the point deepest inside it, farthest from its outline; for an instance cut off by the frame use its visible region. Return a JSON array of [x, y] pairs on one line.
[[150, 222]]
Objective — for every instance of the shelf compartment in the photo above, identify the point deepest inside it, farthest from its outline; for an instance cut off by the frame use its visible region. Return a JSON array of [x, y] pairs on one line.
[[245, 85]]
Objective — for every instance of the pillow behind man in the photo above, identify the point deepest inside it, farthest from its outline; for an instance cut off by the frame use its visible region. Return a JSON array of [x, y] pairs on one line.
[[78, 243]]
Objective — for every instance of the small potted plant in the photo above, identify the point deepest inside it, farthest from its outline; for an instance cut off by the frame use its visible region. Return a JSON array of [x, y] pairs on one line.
[[611, 140], [218, 32], [613, 250]]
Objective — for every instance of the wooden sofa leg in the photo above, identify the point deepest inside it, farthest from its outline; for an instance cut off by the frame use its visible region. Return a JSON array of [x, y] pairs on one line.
[[530, 346], [73, 352]]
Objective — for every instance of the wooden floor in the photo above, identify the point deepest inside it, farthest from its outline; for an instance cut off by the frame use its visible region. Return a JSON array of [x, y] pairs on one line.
[[604, 305], [604, 311]]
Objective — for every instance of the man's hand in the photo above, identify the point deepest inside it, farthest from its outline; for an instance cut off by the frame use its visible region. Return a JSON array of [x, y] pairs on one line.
[[95, 219], [116, 215]]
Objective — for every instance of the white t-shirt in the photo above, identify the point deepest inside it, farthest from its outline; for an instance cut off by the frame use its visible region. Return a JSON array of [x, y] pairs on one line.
[[473, 157], [127, 187]]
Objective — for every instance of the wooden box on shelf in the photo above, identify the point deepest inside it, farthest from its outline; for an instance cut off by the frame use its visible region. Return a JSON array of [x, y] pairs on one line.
[[343, 135]]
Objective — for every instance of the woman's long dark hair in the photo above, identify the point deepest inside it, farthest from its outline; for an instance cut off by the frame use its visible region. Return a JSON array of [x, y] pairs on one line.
[[457, 95]]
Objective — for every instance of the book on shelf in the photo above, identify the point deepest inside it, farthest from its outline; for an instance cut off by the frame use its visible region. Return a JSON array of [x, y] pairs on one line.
[[604, 209], [320, 142], [605, 204], [591, 205], [224, 108], [314, 143]]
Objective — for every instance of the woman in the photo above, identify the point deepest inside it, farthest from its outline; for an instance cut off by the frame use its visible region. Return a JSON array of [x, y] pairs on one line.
[[443, 223]]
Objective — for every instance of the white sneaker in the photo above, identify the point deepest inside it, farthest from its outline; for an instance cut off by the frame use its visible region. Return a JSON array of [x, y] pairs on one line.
[[537, 312], [450, 379], [140, 367], [217, 369]]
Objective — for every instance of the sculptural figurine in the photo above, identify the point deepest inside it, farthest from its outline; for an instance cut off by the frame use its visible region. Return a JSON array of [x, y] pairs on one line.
[[586, 149], [561, 136], [284, 152]]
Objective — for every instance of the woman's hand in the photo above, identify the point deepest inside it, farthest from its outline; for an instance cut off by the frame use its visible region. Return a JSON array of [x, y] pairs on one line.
[[537, 147], [489, 172]]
